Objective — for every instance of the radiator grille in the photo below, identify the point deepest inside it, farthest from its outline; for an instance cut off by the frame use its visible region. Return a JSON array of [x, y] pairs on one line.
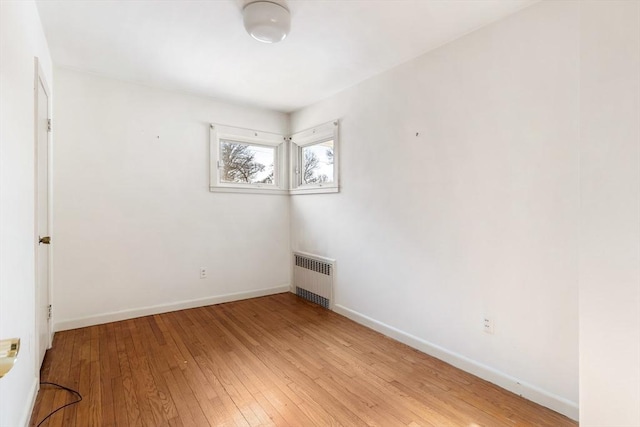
[[313, 278], [321, 267], [310, 296]]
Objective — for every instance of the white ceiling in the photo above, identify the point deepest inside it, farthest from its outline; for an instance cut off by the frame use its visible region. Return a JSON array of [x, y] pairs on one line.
[[201, 46]]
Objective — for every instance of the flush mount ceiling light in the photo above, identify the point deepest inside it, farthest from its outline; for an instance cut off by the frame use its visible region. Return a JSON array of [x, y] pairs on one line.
[[266, 21]]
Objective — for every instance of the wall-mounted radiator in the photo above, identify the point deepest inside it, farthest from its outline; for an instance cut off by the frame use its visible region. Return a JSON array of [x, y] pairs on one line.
[[313, 278]]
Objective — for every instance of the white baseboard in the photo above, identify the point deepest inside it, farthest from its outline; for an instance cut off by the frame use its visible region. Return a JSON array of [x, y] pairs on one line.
[[115, 316], [521, 388], [33, 392]]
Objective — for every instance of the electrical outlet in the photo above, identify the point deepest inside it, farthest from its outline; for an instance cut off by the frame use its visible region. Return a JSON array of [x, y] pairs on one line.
[[203, 272], [488, 325]]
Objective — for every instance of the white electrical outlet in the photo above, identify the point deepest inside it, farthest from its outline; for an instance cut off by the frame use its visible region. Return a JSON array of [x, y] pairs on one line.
[[488, 325], [203, 272]]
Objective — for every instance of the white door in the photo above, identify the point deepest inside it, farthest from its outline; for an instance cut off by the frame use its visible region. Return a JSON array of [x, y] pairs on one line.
[[42, 217]]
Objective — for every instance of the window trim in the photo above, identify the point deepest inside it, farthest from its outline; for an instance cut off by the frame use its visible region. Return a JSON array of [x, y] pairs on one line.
[[218, 133], [315, 135]]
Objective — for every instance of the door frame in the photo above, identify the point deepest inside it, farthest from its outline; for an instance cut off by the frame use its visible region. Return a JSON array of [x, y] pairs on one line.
[[40, 78]]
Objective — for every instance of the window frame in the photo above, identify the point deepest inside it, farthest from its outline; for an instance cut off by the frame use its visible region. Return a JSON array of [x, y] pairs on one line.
[[313, 136], [220, 133]]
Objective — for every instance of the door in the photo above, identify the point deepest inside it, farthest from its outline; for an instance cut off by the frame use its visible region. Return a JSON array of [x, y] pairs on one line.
[[43, 255]]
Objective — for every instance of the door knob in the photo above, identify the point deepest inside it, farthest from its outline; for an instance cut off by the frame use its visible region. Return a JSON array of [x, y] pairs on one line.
[[46, 240], [8, 354]]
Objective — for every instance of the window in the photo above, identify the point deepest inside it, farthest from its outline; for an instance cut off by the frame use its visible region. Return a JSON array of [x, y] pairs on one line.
[[248, 161], [314, 160]]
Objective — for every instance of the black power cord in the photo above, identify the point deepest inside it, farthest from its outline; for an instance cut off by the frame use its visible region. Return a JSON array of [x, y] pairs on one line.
[[63, 406]]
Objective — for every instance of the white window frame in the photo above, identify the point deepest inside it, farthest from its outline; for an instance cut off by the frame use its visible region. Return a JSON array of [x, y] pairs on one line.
[[220, 133], [316, 135]]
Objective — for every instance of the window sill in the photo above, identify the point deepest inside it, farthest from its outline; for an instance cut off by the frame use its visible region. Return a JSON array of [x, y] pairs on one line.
[[276, 191], [298, 191], [314, 190]]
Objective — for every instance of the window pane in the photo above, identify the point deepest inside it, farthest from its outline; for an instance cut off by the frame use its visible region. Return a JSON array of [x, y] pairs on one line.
[[317, 161], [244, 163]]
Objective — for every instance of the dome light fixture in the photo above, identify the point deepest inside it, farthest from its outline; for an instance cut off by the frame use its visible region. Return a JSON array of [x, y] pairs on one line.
[[266, 21]]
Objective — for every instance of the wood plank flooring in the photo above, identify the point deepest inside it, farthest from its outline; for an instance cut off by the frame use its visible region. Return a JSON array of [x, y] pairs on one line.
[[276, 360]]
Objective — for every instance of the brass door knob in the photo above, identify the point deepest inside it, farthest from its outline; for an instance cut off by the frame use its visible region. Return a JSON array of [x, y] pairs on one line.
[[46, 240], [8, 354]]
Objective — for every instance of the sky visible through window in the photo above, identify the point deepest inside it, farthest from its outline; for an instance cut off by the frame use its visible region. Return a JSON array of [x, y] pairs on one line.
[[263, 156]]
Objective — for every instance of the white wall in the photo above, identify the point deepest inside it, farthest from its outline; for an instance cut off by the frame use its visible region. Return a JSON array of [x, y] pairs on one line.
[[21, 39], [476, 215], [134, 219], [610, 214]]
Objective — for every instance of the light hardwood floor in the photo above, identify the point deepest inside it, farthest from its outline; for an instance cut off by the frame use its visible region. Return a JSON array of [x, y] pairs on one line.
[[275, 360]]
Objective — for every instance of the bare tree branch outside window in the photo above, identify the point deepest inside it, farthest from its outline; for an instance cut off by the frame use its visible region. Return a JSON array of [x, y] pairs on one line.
[[240, 164], [330, 155], [315, 166]]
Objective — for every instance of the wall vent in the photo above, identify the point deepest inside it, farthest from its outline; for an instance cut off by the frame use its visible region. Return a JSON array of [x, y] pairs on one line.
[[313, 278]]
